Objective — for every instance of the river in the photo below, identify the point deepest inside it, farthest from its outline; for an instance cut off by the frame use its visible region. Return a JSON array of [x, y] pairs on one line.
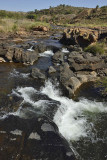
[[83, 122]]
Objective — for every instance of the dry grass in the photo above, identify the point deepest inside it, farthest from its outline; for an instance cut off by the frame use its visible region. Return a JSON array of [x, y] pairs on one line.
[[92, 25], [12, 25]]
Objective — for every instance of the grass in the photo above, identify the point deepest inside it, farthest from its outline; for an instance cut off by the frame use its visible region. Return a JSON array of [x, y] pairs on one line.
[[12, 25], [89, 23], [98, 48], [92, 25], [102, 84]]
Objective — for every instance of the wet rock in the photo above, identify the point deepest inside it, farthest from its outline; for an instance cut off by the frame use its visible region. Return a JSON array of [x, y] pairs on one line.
[[19, 55], [72, 85], [24, 139], [3, 49], [40, 48], [29, 57], [10, 53], [65, 72], [76, 48], [2, 59], [58, 57], [85, 61], [37, 74], [51, 70]]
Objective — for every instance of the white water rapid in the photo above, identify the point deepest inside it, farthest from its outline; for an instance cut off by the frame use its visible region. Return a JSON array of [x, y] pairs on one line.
[[47, 53], [70, 116]]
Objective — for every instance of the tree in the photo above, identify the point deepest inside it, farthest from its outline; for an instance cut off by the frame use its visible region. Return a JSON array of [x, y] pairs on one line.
[[97, 7]]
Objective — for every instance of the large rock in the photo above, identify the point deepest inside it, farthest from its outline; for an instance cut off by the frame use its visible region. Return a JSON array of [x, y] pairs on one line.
[[19, 55], [65, 73], [40, 48], [29, 57], [58, 57], [37, 74], [81, 36], [85, 61], [40, 28], [3, 49], [34, 138], [10, 53]]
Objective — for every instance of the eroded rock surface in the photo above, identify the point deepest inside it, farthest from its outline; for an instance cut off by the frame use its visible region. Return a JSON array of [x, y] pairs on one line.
[[82, 36]]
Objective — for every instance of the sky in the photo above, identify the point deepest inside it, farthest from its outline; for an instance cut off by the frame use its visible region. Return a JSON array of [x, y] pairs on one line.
[[31, 5]]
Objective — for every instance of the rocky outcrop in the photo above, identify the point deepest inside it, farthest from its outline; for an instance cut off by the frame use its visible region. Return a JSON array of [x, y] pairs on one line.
[[82, 36], [40, 28], [34, 138], [71, 81], [19, 55], [77, 68], [85, 61]]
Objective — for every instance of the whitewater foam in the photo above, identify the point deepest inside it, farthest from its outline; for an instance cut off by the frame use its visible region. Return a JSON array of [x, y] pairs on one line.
[[65, 50], [70, 117], [30, 49], [16, 73], [47, 53]]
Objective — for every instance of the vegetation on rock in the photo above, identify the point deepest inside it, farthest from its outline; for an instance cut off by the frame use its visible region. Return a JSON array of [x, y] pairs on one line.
[[97, 48], [102, 84], [61, 15]]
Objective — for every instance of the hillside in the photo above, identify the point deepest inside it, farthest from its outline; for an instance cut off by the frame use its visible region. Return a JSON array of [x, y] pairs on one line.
[[64, 14], [61, 15]]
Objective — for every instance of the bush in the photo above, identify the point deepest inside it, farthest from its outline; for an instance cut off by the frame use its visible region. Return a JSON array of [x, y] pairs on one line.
[[97, 48], [15, 27], [102, 84]]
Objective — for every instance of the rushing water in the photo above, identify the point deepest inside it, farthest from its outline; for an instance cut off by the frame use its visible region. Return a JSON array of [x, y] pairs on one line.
[[82, 123]]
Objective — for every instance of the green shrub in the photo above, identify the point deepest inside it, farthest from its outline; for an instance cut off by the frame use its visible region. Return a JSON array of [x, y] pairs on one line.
[[15, 27], [102, 84], [97, 48]]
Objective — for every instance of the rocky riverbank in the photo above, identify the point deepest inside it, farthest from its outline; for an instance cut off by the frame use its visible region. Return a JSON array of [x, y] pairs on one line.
[[71, 67], [27, 128]]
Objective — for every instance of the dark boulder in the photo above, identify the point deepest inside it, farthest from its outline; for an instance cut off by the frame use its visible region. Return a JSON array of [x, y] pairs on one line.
[[34, 138]]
